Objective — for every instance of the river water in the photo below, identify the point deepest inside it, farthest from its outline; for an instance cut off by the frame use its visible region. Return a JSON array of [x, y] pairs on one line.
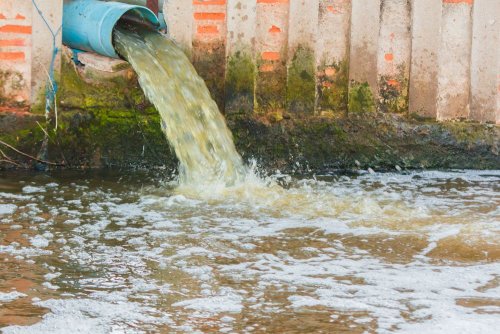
[[414, 252]]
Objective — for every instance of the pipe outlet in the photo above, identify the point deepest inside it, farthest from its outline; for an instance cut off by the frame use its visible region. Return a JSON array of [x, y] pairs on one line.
[[88, 24]]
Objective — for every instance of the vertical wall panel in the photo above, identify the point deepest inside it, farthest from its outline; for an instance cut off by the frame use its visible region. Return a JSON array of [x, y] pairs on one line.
[[301, 80], [240, 69], [498, 93], [394, 52], [426, 27], [179, 17], [485, 55], [454, 60], [332, 54], [365, 28], [271, 46], [209, 45], [42, 50], [15, 51]]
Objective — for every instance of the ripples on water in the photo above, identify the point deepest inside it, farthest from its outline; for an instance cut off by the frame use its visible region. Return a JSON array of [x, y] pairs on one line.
[[383, 253]]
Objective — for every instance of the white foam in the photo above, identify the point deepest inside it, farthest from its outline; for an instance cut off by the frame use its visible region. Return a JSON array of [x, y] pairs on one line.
[[7, 209], [39, 241], [146, 249], [91, 316], [230, 303], [6, 297], [32, 189]]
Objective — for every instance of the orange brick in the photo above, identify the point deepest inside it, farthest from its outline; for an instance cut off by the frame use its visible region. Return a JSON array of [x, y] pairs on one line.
[[274, 29], [17, 29], [210, 16], [209, 2], [389, 57], [271, 55], [266, 68], [12, 42], [210, 29], [20, 17], [393, 83], [469, 2], [12, 56], [330, 71], [272, 1]]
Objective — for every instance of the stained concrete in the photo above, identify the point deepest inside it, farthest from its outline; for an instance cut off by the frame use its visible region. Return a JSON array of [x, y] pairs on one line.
[[453, 100], [426, 26], [394, 53], [15, 52], [365, 27], [485, 59]]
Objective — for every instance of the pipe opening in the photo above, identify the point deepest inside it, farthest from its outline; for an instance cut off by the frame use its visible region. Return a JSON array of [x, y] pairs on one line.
[[88, 25], [138, 17]]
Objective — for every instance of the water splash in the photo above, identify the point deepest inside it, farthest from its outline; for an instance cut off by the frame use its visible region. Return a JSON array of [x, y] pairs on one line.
[[190, 117]]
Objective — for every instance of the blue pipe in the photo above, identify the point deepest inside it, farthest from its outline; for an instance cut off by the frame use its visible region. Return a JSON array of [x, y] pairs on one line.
[[88, 24]]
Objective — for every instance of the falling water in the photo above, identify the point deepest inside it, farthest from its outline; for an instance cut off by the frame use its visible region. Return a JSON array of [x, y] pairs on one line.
[[190, 117]]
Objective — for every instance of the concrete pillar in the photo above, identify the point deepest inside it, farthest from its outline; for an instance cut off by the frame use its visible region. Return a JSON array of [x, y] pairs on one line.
[[302, 33], [179, 19], [271, 47], [365, 26], [485, 60], [332, 55], [426, 27], [454, 60], [240, 68], [42, 45], [394, 52], [498, 95], [15, 52], [209, 45]]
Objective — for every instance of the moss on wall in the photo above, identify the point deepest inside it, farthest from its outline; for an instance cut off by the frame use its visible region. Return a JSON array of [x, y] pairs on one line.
[[270, 87], [111, 124], [240, 84], [301, 84], [393, 92], [361, 98], [333, 87], [363, 140]]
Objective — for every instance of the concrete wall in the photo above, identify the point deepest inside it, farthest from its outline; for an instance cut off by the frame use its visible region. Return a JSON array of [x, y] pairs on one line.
[[434, 58], [26, 49], [15, 52]]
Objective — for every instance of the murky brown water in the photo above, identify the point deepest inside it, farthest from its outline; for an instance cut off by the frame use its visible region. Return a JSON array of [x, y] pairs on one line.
[[130, 253]]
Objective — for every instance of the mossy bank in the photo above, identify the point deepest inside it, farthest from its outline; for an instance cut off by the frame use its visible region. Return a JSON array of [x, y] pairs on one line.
[[109, 124]]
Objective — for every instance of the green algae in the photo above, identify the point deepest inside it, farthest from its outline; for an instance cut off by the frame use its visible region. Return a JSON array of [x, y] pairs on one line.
[[111, 124], [301, 84], [393, 92], [333, 88], [361, 98], [240, 84], [270, 88]]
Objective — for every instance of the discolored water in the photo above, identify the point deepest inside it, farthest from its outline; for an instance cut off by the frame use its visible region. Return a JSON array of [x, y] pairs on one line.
[[129, 253], [191, 119]]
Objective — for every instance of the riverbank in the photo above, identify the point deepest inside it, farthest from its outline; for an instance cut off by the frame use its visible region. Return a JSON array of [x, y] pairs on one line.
[[108, 123]]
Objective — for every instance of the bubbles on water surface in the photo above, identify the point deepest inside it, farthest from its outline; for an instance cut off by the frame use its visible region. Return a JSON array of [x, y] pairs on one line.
[[382, 253]]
